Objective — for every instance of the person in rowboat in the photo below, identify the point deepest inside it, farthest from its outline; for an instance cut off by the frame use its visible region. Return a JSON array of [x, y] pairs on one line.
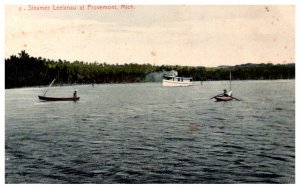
[[225, 93], [75, 93]]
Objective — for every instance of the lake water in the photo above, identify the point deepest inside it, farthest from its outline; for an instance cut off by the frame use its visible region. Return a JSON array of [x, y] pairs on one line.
[[146, 133]]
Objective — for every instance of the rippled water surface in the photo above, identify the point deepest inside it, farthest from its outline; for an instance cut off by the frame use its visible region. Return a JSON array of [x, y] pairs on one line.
[[144, 133]]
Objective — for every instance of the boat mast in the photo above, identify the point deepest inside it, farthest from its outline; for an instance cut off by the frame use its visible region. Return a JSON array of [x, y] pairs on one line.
[[230, 82], [48, 87]]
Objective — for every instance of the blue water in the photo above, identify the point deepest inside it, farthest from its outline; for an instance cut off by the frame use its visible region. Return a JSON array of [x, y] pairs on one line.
[[146, 133]]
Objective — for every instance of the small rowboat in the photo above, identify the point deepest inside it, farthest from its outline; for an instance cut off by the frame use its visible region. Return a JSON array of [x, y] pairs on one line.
[[45, 98], [223, 98]]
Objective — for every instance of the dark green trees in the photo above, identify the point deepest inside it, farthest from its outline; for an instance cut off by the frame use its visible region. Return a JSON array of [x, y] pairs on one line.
[[24, 70]]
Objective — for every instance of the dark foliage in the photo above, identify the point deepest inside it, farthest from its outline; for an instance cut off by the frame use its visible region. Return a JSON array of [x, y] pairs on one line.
[[24, 70]]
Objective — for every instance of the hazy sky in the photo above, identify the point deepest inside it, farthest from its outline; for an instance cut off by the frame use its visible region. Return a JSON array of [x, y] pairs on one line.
[[195, 35]]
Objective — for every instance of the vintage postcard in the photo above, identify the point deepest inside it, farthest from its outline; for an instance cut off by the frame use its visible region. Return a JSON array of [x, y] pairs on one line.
[[149, 94]]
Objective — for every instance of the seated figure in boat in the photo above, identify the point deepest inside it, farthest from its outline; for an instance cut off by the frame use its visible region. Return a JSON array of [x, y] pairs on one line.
[[75, 93], [225, 93]]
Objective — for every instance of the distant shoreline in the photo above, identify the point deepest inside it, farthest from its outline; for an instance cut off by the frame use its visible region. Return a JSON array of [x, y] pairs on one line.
[[89, 84], [24, 70]]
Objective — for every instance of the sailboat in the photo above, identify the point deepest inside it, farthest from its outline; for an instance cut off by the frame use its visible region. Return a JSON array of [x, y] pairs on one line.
[[225, 96], [47, 98]]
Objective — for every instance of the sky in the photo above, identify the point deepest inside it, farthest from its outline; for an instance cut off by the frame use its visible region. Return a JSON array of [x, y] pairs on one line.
[[193, 35]]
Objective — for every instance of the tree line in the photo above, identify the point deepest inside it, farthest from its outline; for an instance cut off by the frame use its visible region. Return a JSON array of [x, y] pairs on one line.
[[24, 70]]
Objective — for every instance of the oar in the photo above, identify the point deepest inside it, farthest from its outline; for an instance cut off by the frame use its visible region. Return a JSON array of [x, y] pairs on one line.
[[49, 87], [235, 98], [213, 97]]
